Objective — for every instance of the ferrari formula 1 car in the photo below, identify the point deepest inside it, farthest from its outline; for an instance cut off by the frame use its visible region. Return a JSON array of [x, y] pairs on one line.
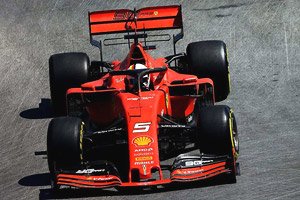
[[120, 120]]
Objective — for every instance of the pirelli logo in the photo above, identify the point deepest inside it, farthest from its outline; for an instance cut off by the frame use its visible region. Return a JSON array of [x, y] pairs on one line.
[[144, 158]]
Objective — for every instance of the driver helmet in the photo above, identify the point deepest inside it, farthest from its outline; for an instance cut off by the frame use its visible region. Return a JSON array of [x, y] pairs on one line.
[[145, 82]]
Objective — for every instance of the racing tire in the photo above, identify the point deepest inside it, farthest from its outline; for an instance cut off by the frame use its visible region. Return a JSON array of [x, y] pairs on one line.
[[64, 144], [208, 59], [217, 135], [66, 70]]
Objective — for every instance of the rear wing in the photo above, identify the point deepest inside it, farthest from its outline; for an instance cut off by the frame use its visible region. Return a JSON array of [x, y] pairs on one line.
[[145, 19], [133, 21]]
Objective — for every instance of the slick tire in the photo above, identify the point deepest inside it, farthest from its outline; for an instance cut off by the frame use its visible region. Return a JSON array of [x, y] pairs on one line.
[[66, 70], [208, 59], [64, 143], [218, 135]]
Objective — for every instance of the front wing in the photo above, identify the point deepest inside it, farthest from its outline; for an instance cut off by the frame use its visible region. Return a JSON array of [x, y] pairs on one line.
[[186, 168]]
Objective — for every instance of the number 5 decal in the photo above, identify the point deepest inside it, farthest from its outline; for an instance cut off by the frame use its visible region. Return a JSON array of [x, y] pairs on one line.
[[141, 127]]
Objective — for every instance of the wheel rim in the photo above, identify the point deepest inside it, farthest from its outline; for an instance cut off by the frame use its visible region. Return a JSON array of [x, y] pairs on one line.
[[235, 140], [234, 135]]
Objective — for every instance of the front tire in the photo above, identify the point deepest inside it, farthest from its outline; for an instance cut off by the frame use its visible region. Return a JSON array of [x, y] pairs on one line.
[[217, 135], [64, 143]]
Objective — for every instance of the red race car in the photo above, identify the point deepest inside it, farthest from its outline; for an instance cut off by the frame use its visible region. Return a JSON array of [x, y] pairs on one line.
[[120, 120]]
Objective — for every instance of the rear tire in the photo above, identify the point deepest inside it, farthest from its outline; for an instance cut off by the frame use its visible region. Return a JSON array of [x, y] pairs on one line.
[[208, 59], [66, 70], [64, 143], [218, 135]]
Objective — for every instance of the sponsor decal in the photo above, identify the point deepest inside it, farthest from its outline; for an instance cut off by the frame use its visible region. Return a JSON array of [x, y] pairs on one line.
[[143, 150], [172, 126], [148, 13], [100, 178], [137, 98], [144, 158], [144, 162], [146, 98], [141, 127], [89, 171], [143, 154], [108, 131], [132, 99], [121, 15], [142, 141], [197, 162], [192, 171]]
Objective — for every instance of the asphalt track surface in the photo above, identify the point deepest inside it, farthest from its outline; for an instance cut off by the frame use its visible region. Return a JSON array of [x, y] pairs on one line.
[[263, 39]]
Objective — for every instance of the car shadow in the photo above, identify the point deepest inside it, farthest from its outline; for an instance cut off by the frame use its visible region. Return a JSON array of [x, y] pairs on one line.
[[43, 180], [42, 112], [35, 180]]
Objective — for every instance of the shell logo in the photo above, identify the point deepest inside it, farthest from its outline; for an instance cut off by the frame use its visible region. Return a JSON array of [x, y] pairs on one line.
[[142, 141]]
